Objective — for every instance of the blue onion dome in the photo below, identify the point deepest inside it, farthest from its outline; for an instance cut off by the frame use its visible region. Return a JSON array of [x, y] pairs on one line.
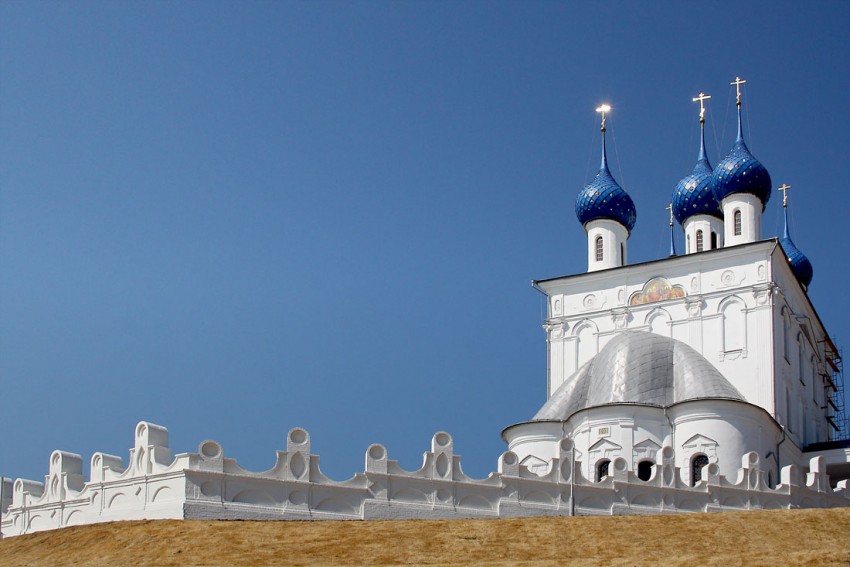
[[800, 265], [603, 198], [740, 172], [694, 194]]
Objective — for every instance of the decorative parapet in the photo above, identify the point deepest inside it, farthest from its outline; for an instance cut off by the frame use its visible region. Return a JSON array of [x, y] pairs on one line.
[[206, 485]]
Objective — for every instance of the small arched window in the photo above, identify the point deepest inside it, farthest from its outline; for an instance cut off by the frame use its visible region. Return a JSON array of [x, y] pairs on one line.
[[697, 464], [622, 254], [602, 469], [713, 240], [737, 221], [599, 255], [644, 470], [699, 241]]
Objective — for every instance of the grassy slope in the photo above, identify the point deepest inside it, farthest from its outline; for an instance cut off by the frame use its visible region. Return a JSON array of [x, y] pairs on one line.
[[780, 537]]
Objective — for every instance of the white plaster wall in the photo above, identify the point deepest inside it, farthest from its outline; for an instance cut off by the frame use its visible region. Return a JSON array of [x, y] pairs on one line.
[[723, 431], [587, 310], [599, 302]]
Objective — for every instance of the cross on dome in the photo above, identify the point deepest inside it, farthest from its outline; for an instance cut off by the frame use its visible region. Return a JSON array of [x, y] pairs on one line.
[[784, 190], [738, 82], [603, 198], [694, 194], [702, 98], [603, 108], [800, 264]]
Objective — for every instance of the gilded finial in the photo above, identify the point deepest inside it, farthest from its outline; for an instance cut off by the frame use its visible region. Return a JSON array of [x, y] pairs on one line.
[[702, 98], [602, 110], [738, 82], [784, 190]]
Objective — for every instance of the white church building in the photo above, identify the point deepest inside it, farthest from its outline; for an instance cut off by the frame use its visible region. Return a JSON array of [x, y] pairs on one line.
[[698, 382]]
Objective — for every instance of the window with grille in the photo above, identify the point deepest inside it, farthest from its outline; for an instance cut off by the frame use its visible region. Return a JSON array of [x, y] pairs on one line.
[[697, 464], [699, 241], [599, 255], [737, 221]]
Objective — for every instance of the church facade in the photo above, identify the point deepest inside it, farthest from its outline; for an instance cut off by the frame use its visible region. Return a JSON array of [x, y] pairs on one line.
[[698, 382]]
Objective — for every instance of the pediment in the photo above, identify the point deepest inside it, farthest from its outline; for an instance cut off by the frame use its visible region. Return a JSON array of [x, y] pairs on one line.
[[535, 464], [699, 440], [647, 444], [604, 445]]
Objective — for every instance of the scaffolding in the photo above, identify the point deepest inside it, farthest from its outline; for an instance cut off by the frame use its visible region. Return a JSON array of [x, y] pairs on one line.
[[835, 395]]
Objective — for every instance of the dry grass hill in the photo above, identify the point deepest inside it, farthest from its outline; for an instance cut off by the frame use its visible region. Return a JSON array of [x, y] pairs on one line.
[[783, 537]]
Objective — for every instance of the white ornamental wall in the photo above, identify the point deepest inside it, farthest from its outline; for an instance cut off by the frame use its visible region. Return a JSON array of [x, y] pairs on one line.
[[207, 485]]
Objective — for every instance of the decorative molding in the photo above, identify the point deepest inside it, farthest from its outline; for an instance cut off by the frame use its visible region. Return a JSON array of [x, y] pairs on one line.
[[694, 305], [621, 318]]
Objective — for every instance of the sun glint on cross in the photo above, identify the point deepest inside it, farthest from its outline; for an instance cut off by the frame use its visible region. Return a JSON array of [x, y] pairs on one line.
[[702, 98]]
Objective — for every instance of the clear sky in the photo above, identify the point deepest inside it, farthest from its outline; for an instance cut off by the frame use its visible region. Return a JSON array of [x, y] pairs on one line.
[[234, 218]]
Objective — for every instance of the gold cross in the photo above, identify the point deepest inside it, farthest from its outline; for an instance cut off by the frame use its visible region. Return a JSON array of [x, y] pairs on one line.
[[784, 190], [602, 110], [738, 82], [702, 98], [670, 208]]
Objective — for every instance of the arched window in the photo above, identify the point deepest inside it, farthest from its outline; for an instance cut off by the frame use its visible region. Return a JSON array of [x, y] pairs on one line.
[[737, 221], [699, 241], [645, 470], [622, 254], [697, 464], [713, 240], [733, 326], [602, 469], [599, 255]]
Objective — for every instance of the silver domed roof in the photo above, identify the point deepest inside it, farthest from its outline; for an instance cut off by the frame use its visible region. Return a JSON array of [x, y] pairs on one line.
[[638, 367]]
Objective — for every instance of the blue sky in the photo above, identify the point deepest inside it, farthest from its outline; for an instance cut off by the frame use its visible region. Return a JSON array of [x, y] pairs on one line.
[[236, 218]]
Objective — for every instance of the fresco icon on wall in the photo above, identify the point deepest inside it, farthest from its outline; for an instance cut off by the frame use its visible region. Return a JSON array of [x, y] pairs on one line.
[[656, 289]]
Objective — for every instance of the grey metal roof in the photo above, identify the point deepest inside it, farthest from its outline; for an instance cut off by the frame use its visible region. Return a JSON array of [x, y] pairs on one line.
[[639, 367]]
